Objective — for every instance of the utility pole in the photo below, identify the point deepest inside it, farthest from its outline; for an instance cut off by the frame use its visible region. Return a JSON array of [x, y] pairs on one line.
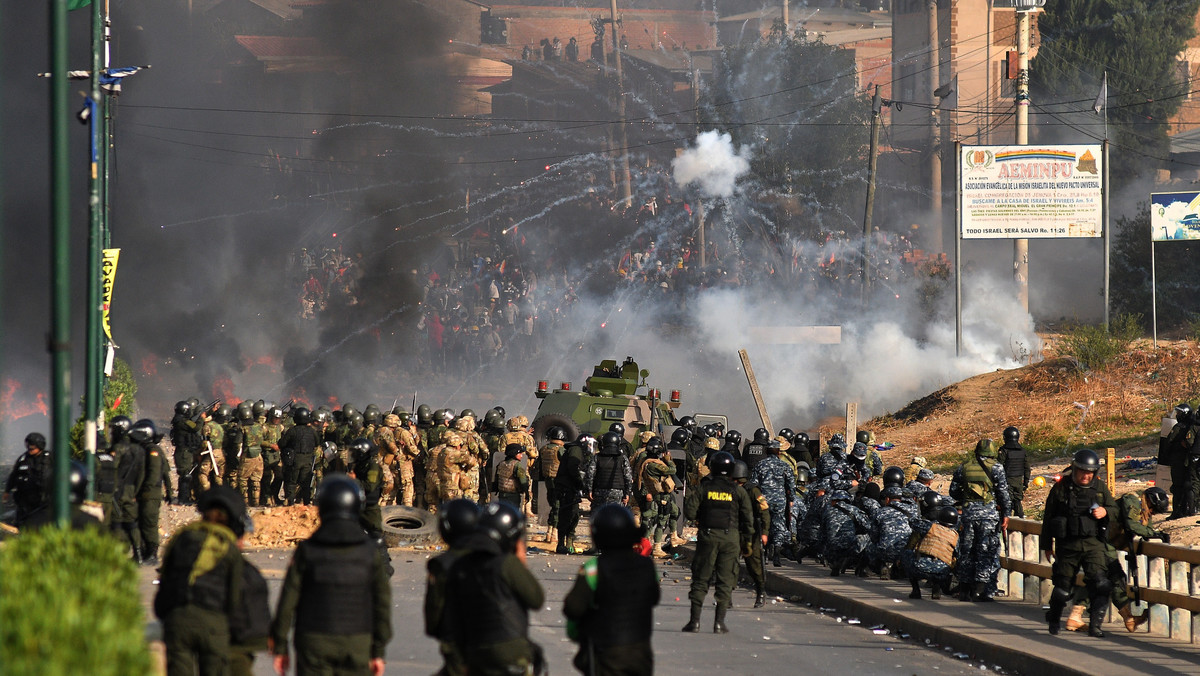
[[1024, 8], [93, 378], [872, 161], [59, 343], [935, 142], [622, 133], [786, 23]]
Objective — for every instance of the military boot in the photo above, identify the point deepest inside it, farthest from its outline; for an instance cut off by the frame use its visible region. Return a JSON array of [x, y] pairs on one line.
[[981, 593], [964, 591], [562, 544], [1058, 601], [760, 597], [693, 624], [719, 621], [1132, 622], [1097, 618], [1075, 619], [775, 557], [916, 588], [149, 556]]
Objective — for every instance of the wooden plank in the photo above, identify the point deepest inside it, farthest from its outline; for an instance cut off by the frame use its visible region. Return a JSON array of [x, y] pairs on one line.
[[758, 400], [851, 422]]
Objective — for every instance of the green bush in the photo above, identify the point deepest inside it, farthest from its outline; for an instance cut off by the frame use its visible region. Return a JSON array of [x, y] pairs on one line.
[[70, 604], [1095, 348], [120, 385]]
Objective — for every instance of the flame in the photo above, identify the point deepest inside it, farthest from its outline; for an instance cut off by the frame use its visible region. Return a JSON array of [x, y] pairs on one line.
[[265, 360], [300, 396], [222, 388], [11, 409], [150, 365]]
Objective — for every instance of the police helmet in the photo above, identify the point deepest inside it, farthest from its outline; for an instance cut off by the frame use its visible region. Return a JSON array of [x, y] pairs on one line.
[[143, 431], [503, 523], [803, 476], [183, 408], [229, 501], [617, 428], [245, 414], [223, 413], [1087, 460], [740, 470], [193, 403], [985, 448], [892, 493], [859, 451], [1157, 499], [613, 528], [1183, 413], [761, 436], [424, 414], [501, 411], [513, 450], [361, 448], [719, 427], [587, 441], [301, 415], [611, 441], [733, 437], [840, 496], [930, 499], [372, 417], [862, 437], [456, 518], [338, 417], [77, 480], [787, 433], [687, 422], [258, 408], [893, 476], [119, 427], [654, 447], [709, 431], [680, 438], [721, 463], [801, 439], [556, 433], [322, 415], [948, 517], [356, 422], [275, 413], [1012, 435], [339, 497]]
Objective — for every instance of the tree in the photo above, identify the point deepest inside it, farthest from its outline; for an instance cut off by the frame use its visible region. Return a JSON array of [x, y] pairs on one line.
[[796, 103], [119, 392], [1136, 42]]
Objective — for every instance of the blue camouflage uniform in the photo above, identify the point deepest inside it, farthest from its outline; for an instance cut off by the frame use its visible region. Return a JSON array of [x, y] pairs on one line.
[[778, 484], [924, 567], [980, 487], [846, 538], [890, 531]]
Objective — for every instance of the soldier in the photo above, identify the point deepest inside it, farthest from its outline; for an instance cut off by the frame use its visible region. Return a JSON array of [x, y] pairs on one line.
[[1016, 468], [778, 484], [458, 524], [231, 443], [155, 487], [410, 451], [915, 465], [980, 488], [385, 441], [200, 584], [1179, 445], [757, 448], [890, 531], [423, 431], [79, 519], [369, 474], [186, 438], [336, 592], [211, 467], [656, 489], [626, 447], [845, 532], [477, 447], [609, 479], [549, 456], [106, 477], [250, 473], [298, 451], [512, 478], [611, 604], [732, 443], [1131, 518], [518, 433], [752, 550], [28, 484], [455, 468], [272, 481], [131, 472], [931, 553], [569, 486], [1077, 513], [724, 519]]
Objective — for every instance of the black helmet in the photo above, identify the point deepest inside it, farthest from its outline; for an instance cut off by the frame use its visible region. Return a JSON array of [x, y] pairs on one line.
[[493, 419], [467, 412], [719, 427], [787, 434], [501, 411], [193, 403], [339, 497], [338, 417], [301, 415], [1183, 413], [183, 408], [733, 437], [948, 517], [77, 480], [1011, 435], [258, 408], [372, 417], [687, 422], [1087, 460], [862, 437], [348, 410], [503, 523], [800, 440], [555, 433], [721, 463], [710, 431], [119, 427], [610, 443], [361, 448], [654, 447], [931, 499], [761, 436], [356, 422], [245, 414], [457, 518], [222, 414], [586, 440], [740, 470], [893, 476], [513, 450], [680, 438], [1157, 499], [274, 413], [613, 528], [229, 501], [424, 414], [143, 431], [617, 428]]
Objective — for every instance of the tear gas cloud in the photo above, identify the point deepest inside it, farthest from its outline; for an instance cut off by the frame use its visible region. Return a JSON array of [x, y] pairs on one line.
[[712, 163]]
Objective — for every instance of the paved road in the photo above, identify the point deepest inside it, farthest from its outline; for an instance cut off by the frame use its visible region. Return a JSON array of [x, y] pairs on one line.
[[782, 638]]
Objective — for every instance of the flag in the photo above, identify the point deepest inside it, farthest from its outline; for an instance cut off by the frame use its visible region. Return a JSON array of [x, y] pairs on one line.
[[78, 4], [1102, 97], [108, 279]]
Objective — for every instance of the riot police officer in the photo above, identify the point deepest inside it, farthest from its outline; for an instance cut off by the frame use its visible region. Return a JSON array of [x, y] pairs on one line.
[[458, 524], [298, 449], [29, 483], [724, 519], [1016, 466]]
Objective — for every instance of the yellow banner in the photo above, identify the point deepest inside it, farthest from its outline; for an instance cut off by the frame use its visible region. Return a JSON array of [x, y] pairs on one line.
[[108, 278]]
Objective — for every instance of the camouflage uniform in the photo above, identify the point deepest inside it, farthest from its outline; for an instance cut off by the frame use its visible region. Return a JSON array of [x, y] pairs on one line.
[[516, 434], [833, 461], [981, 487], [250, 473], [752, 550], [845, 534], [389, 451], [272, 479], [812, 525], [433, 493], [656, 493], [601, 479], [456, 470], [547, 464], [778, 484], [923, 566], [409, 451], [890, 530], [478, 448], [207, 474], [910, 472]]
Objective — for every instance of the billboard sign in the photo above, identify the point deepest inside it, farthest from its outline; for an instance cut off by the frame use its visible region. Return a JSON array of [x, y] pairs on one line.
[[1031, 192], [1174, 216]]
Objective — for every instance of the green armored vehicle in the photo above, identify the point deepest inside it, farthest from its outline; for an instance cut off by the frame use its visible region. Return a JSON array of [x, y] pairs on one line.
[[609, 396]]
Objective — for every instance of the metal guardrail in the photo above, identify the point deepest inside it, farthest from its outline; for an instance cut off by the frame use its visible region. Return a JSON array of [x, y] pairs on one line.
[[1169, 577]]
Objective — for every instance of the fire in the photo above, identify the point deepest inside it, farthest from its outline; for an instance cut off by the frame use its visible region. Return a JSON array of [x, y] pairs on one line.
[[265, 360], [11, 409], [150, 365], [222, 388]]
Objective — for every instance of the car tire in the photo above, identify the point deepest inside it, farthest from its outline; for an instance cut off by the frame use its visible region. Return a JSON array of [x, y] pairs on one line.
[[409, 526], [553, 420]]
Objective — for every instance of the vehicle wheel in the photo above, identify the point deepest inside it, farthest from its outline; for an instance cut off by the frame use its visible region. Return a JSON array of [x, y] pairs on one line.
[[553, 420], [408, 526]]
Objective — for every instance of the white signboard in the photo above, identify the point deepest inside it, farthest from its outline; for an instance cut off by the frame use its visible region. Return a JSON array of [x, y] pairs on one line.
[[1174, 216], [1031, 192]]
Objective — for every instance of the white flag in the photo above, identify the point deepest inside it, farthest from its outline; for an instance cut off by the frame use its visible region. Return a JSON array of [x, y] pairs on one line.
[[1102, 97]]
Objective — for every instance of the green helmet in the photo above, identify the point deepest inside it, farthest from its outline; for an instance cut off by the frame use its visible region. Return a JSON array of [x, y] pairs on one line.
[[259, 408], [371, 417], [493, 419], [405, 418], [467, 412], [223, 413], [348, 410], [424, 414], [986, 448], [245, 406]]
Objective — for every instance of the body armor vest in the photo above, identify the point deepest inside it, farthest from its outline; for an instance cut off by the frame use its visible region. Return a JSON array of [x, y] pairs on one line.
[[506, 476], [548, 459], [1080, 499], [336, 590], [939, 543], [609, 474], [486, 610], [627, 584], [1014, 463], [106, 473], [718, 507], [977, 480]]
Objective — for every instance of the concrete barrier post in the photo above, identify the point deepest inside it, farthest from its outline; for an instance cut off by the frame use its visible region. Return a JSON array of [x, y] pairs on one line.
[[1045, 585], [1156, 578], [1016, 550], [1194, 592], [1181, 618]]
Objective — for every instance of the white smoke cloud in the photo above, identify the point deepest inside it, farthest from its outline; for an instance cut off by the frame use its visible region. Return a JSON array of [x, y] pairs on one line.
[[713, 163]]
